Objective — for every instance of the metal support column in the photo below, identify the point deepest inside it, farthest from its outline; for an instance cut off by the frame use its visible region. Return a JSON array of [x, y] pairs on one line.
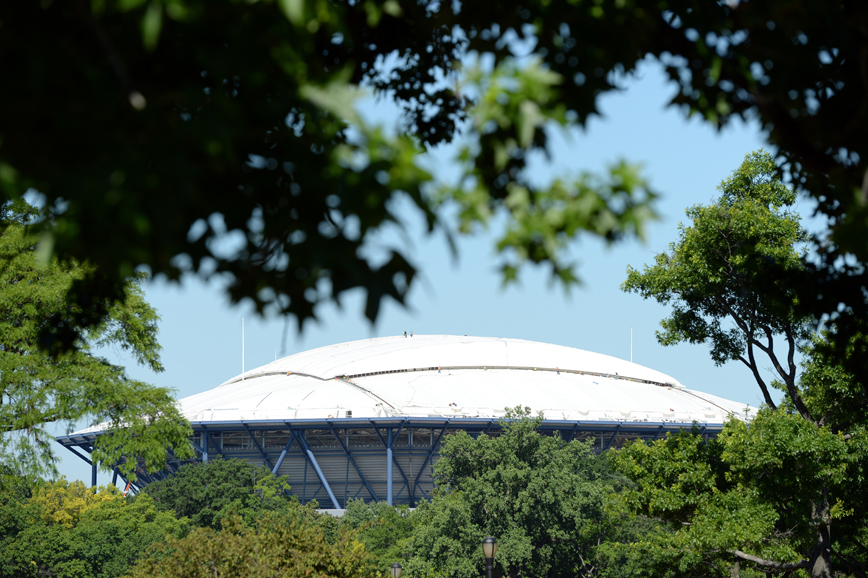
[[93, 474], [389, 466], [355, 465], [258, 447], [301, 442], [282, 455], [425, 463], [611, 439], [205, 439], [76, 452]]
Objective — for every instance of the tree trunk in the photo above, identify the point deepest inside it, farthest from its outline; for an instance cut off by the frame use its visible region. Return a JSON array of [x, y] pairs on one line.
[[733, 570], [820, 555]]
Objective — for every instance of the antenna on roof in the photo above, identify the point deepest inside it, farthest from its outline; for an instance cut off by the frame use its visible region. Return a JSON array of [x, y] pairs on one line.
[[242, 349]]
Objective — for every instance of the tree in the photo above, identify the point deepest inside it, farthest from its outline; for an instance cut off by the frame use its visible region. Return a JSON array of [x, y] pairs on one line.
[[182, 121], [211, 493], [66, 529], [729, 278], [283, 545], [384, 529], [762, 498], [542, 498], [239, 119], [38, 387], [764, 495]]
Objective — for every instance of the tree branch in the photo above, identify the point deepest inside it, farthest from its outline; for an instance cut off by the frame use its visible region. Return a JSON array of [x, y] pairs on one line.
[[770, 351], [750, 343], [770, 563], [856, 567], [789, 378], [860, 545], [755, 370], [791, 384]]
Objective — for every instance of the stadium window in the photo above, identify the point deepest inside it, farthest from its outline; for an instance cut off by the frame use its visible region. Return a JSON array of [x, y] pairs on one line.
[[421, 438], [320, 438], [403, 440], [275, 440], [362, 438], [233, 441]]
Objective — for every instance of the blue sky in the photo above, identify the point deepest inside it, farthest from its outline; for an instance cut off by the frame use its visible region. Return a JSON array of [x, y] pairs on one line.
[[685, 160]]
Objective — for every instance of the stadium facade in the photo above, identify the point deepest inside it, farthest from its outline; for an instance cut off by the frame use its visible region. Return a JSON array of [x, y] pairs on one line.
[[366, 419]]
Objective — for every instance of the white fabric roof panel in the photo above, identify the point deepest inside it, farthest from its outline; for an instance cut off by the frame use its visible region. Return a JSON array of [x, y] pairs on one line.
[[394, 353], [480, 376]]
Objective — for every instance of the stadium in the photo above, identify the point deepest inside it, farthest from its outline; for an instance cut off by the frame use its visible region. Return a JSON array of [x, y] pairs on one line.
[[366, 419]]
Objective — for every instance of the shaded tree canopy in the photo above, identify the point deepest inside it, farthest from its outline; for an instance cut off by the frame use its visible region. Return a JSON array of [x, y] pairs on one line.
[[223, 139], [38, 387], [211, 493], [183, 122]]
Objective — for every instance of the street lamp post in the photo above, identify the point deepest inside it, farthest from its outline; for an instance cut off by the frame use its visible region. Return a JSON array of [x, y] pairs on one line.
[[489, 548], [395, 570]]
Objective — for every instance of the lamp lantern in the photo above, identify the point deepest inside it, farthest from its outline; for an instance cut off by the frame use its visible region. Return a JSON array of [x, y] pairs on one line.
[[489, 549], [395, 570]]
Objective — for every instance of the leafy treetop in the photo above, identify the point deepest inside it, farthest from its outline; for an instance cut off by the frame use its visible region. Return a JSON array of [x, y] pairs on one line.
[[284, 545], [66, 529], [730, 276], [540, 496], [766, 495], [40, 384], [210, 493]]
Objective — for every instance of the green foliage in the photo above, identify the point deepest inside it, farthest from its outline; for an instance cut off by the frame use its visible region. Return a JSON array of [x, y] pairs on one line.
[[765, 495], [540, 497], [65, 529], [752, 490], [240, 117], [69, 530], [515, 103], [830, 392], [63, 503], [211, 493], [191, 119], [729, 278], [683, 481], [384, 529], [282, 545], [39, 385]]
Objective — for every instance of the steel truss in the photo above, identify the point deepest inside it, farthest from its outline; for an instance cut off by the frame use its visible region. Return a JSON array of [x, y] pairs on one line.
[[389, 444]]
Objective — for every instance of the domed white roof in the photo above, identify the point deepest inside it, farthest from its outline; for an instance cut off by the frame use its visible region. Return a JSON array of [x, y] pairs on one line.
[[454, 376]]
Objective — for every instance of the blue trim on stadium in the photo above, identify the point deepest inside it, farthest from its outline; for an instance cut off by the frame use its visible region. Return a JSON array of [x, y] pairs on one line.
[[387, 431]]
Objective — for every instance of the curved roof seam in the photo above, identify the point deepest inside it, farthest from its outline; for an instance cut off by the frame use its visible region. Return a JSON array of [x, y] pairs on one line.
[[340, 377], [694, 394], [372, 394], [443, 376], [456, 368]]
